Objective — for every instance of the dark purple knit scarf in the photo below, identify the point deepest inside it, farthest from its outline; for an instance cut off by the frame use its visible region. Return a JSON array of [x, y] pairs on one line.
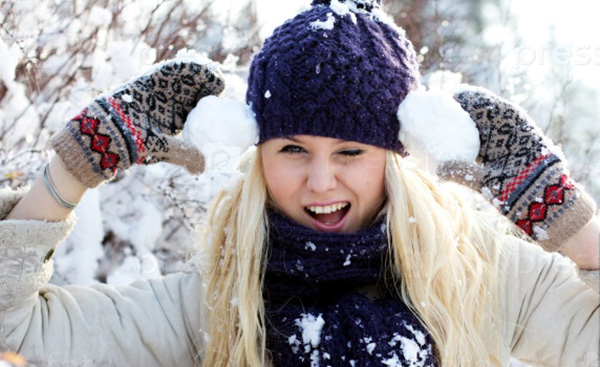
[[315, 317]]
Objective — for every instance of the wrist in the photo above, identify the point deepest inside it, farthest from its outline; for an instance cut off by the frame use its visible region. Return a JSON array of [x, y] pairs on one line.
[[68, 185], [584, 247]]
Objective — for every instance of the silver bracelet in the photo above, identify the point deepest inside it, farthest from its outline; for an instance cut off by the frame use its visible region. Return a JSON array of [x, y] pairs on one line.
[[52, 189]]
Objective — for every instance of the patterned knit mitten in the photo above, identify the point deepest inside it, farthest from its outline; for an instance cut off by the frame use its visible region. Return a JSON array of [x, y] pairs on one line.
[[523, 173], [136, 122]]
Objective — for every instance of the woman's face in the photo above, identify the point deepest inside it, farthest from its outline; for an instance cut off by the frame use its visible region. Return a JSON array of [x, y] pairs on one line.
[[326, 184]]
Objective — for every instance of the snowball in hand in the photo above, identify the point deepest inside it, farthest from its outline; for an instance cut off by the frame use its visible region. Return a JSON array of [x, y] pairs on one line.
[[223, 129], [434, 126]]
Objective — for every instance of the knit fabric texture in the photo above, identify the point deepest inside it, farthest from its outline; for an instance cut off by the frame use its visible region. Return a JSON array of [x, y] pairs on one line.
[[135, 123], [524, 174], [317, 314], [338, 70]]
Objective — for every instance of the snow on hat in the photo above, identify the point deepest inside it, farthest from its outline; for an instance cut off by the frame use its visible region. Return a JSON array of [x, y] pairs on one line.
[[339, 70]]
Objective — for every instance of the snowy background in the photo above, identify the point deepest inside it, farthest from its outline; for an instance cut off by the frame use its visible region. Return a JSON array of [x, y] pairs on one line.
[[56, 56]]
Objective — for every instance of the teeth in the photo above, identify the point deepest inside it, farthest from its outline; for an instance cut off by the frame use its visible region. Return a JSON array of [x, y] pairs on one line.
[[327, 209]]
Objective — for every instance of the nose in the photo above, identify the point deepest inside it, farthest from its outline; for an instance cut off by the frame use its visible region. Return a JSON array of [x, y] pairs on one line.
[[321, 176]]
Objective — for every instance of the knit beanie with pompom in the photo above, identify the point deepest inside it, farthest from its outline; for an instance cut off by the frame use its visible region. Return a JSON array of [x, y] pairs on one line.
[[339, 70]]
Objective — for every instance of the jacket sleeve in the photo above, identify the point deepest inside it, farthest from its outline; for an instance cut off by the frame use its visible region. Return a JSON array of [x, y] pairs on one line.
[[551, 317], [149, 323]]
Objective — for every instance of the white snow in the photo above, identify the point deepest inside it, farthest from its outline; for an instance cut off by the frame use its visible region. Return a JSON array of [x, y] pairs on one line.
[[410, 350], [497, 203], [444, 80], [412, 353], [343, 9], [295, 343], [268, 94], [9, 62], [186, 55], [420, 337], [311, 327], [412, 220], [127, 98], [78, 257], [223, 129], [435, 128], [100, 17], [540, 233], [314, 358], [310, 245], [487, 193], [394, 361], [327, 24], [128, 272], [348, 262], [371, 347]]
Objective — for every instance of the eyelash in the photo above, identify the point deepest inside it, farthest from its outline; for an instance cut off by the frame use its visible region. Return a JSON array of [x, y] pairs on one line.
[[352, 152], [294, 149]]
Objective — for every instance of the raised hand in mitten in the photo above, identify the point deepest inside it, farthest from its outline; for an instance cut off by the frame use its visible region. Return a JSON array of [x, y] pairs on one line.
[[522, 171], [136, 123]]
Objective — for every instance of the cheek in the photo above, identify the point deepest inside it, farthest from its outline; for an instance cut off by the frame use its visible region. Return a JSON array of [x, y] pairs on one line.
[[373, 187], [280, 178]]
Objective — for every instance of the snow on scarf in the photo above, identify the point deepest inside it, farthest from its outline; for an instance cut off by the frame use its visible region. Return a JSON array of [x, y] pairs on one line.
[[314, 315]]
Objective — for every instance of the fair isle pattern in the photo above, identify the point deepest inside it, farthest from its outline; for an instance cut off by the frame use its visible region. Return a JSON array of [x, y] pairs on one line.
[[537, 211], [135, 132], [529, 182], [133, 124]]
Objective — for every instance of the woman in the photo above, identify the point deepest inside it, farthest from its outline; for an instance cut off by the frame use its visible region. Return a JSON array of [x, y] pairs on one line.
[[330, 251]]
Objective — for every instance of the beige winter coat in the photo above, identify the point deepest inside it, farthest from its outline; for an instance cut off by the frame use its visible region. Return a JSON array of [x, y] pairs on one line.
[[549, 317]]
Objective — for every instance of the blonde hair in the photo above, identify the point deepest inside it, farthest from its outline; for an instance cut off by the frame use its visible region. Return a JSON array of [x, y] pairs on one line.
[[444, 265]]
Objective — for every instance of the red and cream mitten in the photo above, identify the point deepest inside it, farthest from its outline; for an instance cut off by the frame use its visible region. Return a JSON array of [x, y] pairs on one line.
[[522, 172], [136, 123]]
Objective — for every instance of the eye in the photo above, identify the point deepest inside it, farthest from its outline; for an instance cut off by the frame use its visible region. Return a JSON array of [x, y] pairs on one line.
[[352, 152], [292, 149]]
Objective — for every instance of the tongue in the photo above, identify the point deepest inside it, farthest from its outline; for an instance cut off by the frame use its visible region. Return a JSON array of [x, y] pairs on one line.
[[330, 218]]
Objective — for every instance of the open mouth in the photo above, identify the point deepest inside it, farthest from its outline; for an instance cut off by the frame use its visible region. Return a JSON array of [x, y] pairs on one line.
[[328, 215]]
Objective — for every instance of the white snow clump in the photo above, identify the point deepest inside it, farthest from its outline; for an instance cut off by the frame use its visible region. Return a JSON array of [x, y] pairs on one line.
[[223, 129], [184, 55], [343, 9], [311, 327], [324, 24], [9, 62], [434, 128], [100, 17], [540, 233]]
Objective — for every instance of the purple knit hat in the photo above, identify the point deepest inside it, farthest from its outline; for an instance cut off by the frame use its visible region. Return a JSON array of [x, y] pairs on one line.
[[339, 70]]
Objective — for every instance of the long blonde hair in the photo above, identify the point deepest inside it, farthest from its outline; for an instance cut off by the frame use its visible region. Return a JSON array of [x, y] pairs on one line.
[[444, 261]]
